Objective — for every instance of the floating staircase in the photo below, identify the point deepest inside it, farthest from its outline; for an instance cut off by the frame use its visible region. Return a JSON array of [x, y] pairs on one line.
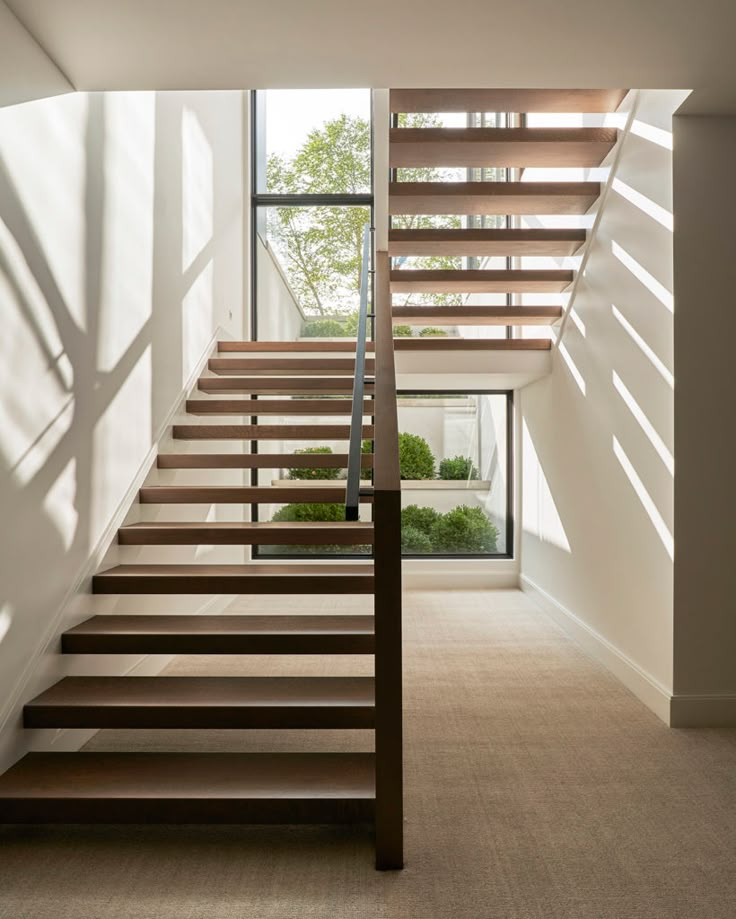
[[492, 205]]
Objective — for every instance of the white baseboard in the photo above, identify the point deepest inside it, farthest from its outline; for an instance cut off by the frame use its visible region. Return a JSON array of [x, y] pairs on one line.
[[459, 574], [707, 710], [643, 685]]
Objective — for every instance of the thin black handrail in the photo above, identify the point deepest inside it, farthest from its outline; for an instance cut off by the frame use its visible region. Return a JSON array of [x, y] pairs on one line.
[[352, 488]]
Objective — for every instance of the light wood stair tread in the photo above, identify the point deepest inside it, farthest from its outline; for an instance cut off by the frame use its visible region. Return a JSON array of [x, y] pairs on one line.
[[241, 533], [283, 407], [482, 242], [243, 494], [334, 366], [235, 579], [275, 347], [476, 315], [222, 634], [266, 431], [448, 343], [258, 460], [482, 280], [492, 197], [506, 100], [189, 788], [513, 147], [281, 386]]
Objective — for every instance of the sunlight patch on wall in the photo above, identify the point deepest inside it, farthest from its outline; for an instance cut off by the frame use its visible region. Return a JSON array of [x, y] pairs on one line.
[[659, 366], [540, 517], [59, 504], [197, 318], [5, 620], [646, 205], [198, 188], [656, 135], [646, 500], [644, 423], [664, 296], [572, 367]]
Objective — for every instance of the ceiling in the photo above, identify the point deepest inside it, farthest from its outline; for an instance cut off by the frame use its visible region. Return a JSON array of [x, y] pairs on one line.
[[233, 44]]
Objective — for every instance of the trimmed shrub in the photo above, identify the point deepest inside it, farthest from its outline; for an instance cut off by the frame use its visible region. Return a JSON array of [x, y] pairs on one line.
[[314, 474], [464, 529], [416, 460], [433, 332], [367, 446], [414, 541], [458, 468], [309, 513], [423, 519], [402, 331], [323, 328]]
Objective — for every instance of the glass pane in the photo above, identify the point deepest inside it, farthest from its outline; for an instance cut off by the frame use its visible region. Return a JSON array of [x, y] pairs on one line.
[[314, 141], [453, 453], [308, 262]]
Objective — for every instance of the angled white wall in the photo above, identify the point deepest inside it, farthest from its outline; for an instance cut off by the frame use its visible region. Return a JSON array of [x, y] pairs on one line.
[[121, 253], [598, 433], [26, 71]]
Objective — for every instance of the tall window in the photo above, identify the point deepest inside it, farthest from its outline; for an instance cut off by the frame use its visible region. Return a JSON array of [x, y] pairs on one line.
[[312, 197]]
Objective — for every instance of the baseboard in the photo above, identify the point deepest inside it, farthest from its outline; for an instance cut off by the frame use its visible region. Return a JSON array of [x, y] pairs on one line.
[[642, 684], [706, 710], [459, 574]]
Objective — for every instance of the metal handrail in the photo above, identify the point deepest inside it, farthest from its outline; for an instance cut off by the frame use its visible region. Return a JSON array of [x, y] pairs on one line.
[[352, 488]]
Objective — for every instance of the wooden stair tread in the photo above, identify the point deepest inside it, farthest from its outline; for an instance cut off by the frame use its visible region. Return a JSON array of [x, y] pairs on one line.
[[482, 280], [222, 634], [188, 788], [275, 347], [333, 366], [283, 407], [238, 533], [282, 386], [235, 579], [506, 100], [266, 431], [258, 460], [514, 147], [476, 315], [243, 494], [482, 242], [203, 702], [441, 343], [492, 197]]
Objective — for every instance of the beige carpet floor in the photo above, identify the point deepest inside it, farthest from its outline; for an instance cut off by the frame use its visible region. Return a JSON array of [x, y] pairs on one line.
[[537, 788]]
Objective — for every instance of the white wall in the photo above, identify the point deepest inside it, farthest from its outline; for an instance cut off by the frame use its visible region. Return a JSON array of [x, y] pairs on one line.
[[121, 252], [705, 414], [598, 438], [26, 71], [279, 315]]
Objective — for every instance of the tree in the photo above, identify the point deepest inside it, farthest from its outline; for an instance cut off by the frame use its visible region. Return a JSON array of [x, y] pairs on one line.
[[320, 248]]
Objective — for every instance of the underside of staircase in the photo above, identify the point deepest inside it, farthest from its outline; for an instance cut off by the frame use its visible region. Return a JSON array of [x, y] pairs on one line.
[[251, 396]]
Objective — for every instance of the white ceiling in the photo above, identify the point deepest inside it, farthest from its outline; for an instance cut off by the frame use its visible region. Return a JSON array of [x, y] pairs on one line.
[[234, 44]]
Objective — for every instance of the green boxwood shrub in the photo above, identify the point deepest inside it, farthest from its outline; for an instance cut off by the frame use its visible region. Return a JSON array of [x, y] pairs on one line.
[[459, 467], [423, 519], [464, 529], [314, 474], [414, 541], [323, 328], [402, 331], [416, 460], [309, 513], [433, 332]]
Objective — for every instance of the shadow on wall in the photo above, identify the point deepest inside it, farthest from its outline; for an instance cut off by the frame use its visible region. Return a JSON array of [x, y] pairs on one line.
[[120, 253], [598, 462]]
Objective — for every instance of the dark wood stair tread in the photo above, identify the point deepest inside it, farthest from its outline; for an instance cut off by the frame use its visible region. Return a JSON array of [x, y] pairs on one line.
[[299, 347], [235, 579], [281, 386], [258, 460], [204, 702], [506, 100], [482, 280], [189, 788], [222, 634], [492, 197], [333, 366], [244, 533], [245, 494], [441, 343], [476, 315]]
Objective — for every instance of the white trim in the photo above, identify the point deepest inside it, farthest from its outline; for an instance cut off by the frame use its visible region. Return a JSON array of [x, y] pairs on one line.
[[80, 585], [459, 574], [643, 685]]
